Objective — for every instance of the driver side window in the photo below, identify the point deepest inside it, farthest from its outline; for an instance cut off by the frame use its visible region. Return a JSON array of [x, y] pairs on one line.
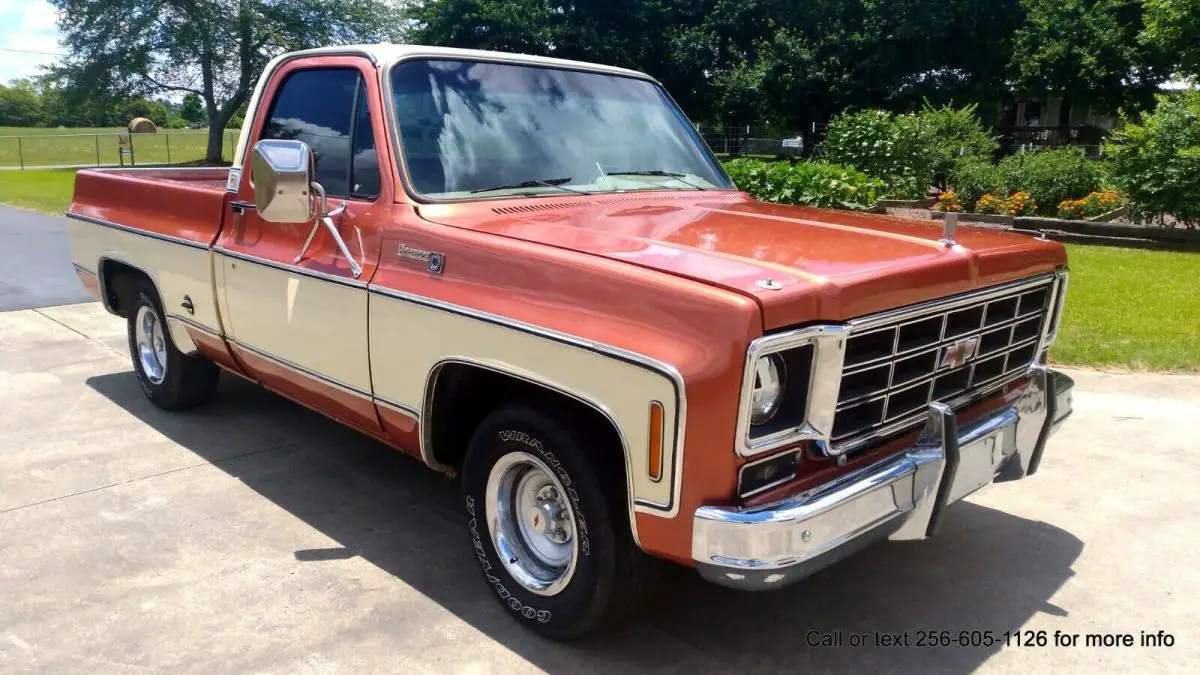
[[327, 109]]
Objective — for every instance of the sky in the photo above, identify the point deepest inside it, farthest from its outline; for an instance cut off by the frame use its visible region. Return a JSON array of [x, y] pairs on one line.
[[26, 25]]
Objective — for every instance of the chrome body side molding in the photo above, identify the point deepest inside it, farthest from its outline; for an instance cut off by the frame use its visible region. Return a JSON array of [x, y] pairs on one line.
[[337, 384], [134, 230], [666, 370]]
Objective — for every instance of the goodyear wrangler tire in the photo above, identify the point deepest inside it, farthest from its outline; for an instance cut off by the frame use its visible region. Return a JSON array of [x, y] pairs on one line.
[[553, 547], [171, 379]]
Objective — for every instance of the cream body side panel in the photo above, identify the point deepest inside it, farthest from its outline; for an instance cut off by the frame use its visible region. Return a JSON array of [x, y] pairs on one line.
[[408, 340], [176, 269], [313, 323]]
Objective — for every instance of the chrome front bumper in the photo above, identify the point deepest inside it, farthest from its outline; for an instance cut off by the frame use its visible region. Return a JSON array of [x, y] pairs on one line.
[[900, 498]]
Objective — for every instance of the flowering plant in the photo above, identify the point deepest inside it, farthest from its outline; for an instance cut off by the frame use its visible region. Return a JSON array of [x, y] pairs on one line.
[[1093, 205], [1017, 204], [1021, 204], [948, 201], [989, 203]]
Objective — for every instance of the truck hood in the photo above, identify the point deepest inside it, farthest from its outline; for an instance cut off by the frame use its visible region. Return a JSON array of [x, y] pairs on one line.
[[801, 264]]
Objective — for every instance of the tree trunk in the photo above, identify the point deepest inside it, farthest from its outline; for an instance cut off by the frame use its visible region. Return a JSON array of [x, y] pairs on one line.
[[216, 140]]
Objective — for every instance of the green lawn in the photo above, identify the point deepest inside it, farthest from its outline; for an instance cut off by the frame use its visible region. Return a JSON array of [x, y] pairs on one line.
[[1127, 309], [49, 147], [48, 191], [1131, 309]]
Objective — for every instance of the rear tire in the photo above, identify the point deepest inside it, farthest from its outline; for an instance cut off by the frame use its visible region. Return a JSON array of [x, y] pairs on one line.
[[169, 378], [547, 472]]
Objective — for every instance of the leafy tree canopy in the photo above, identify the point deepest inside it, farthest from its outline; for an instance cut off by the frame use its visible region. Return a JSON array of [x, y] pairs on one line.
[[746, 61], [214, 49], [1089, 51], [1173, 27], [656, 36], [192, 110], [20, 105]]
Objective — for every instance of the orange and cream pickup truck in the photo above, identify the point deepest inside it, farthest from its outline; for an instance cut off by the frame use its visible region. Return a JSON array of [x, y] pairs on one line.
[[532, 275]]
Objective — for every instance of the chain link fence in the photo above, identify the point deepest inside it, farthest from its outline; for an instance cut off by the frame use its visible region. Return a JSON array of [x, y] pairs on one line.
[[748, 140], [50, 151], [1089, 139]]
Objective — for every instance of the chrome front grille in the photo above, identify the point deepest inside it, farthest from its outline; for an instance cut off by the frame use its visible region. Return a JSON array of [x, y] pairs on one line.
[[897, 363]]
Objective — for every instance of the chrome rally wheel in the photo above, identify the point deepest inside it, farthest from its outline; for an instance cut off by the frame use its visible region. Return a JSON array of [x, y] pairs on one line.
[[531, 523], [171, 379], [151, 344], [549, 522]]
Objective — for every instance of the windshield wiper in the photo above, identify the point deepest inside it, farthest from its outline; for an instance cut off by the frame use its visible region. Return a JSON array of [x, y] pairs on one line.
[[549, 182], [656, 172]]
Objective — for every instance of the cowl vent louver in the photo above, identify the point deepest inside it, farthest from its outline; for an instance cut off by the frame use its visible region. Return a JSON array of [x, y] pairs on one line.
[[540, 206]]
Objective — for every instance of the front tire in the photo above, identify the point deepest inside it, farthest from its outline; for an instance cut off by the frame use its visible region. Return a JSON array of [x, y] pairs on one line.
[[554, 545], [171, 379]]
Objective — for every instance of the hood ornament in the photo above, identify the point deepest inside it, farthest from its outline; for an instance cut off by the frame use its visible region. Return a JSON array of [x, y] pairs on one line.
[[768, 284], [949, 225]]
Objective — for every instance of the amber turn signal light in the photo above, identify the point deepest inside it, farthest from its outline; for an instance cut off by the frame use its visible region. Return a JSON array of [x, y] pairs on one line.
[[655, 464]]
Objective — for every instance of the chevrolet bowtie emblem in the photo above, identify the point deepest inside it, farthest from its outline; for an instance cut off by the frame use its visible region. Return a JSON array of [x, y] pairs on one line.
[[960, 352]]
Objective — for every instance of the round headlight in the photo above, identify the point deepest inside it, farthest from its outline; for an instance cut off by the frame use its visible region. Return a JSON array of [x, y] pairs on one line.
[[768, 389]]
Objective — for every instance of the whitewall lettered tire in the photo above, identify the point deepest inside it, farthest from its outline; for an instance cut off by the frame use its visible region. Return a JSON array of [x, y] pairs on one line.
[[550, 537]]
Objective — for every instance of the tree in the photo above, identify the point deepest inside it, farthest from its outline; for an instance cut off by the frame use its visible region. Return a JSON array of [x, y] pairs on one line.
[[655, 36], [1087, 51], [192, 110], [20, 105], [818, 57], [1173, 27], [125, 111], [214, 49]]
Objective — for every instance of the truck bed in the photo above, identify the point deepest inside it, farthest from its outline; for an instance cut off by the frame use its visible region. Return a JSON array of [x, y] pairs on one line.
[[180, 203], [162, 222], [208, 177]]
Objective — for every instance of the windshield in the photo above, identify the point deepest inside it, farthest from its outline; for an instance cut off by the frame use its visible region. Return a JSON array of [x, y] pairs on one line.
[[471, 129]]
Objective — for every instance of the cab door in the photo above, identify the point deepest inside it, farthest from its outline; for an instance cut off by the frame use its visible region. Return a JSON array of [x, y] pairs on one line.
[[296, 316]]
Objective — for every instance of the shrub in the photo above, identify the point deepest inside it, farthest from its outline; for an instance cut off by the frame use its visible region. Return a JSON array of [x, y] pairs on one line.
[[1050, 176], [1157, 163], [909, 152], [810, 183], [948, 201], [1017, 204], [1095, 204], [874, 142], [972, 178], [950, 136]]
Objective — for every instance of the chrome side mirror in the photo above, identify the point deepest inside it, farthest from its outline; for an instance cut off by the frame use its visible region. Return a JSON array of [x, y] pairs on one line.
[[281, 173]]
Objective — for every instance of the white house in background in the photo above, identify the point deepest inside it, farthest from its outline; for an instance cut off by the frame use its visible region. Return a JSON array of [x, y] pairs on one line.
[[1045, 119], [1049, 112]]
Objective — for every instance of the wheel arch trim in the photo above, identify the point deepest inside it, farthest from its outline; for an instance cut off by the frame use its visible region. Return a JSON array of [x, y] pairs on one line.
[[176, 327], [427, 416]]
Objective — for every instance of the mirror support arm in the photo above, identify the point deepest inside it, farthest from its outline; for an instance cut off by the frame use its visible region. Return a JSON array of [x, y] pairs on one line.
[[326, 218]]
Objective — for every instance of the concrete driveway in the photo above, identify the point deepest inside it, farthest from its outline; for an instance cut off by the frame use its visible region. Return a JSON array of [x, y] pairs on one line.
[[254, 535]]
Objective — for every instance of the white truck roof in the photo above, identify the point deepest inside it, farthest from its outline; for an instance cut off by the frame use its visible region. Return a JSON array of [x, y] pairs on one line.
[[384, 53]]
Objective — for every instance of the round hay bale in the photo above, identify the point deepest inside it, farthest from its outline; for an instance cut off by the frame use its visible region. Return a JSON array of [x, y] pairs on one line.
[[141, 125]]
